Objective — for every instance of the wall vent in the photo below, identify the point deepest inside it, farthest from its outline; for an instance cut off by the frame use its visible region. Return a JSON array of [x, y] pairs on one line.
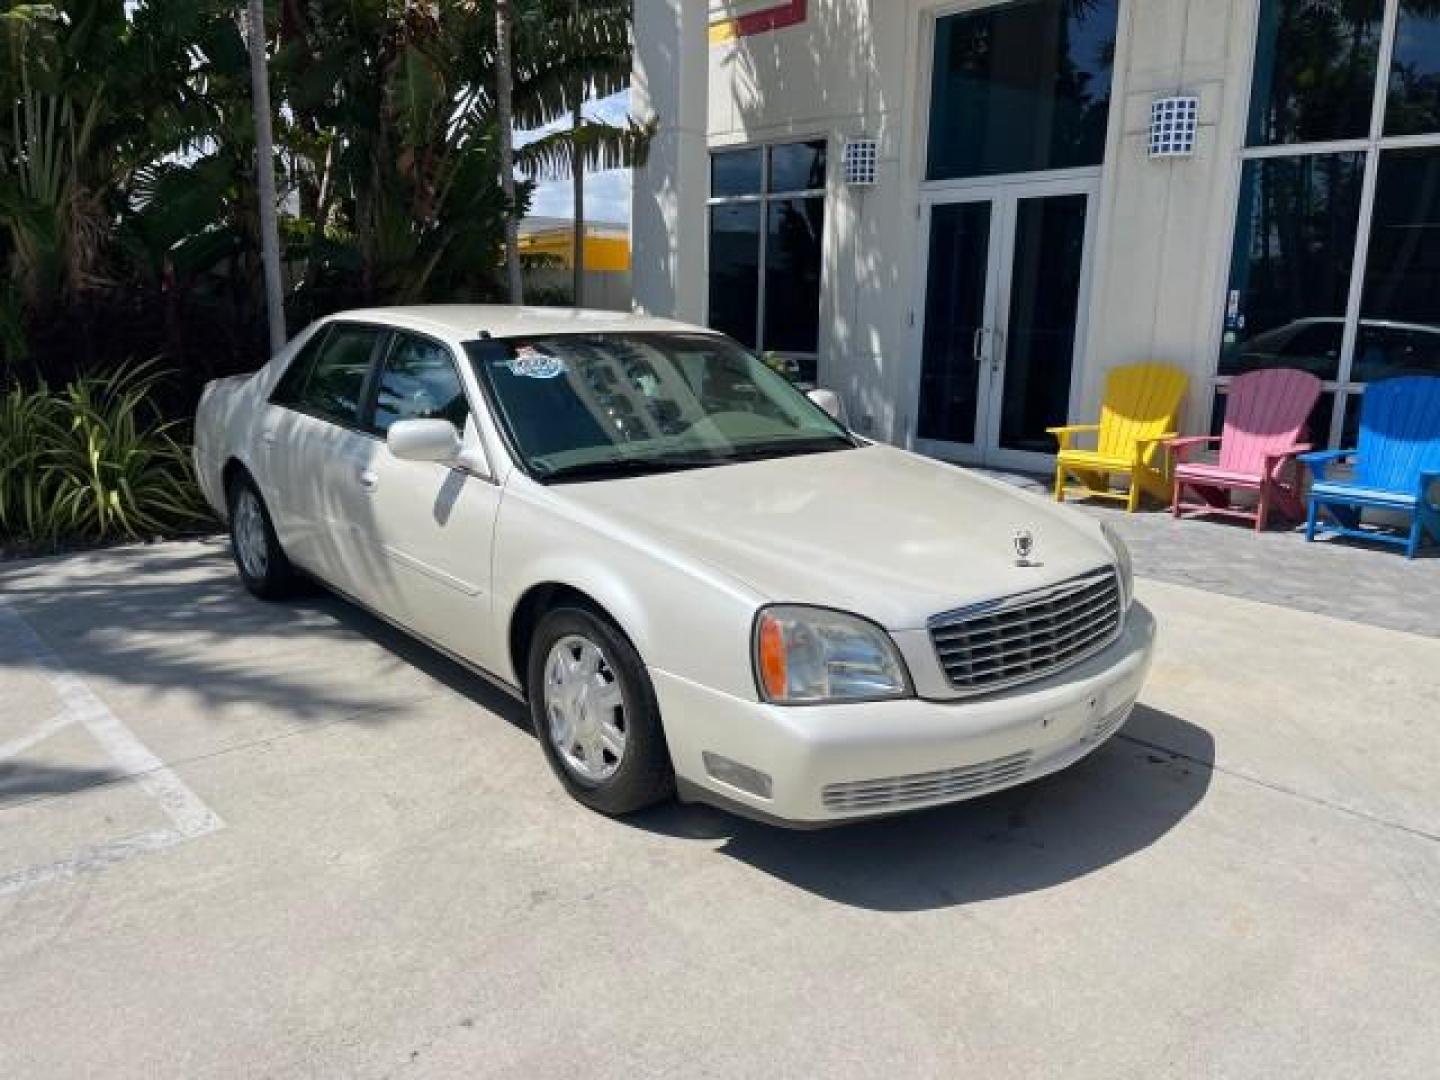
[[861, 158], [1173, 123]]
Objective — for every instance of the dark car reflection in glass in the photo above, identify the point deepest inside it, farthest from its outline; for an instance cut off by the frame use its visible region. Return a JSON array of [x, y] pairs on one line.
[[1383, 349]]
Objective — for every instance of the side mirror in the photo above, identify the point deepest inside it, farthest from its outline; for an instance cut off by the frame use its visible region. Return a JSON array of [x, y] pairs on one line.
[[424, 440], [829, 401]]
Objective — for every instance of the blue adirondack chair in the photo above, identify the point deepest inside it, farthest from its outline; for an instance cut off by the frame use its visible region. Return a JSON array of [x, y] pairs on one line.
[[1396, 464]]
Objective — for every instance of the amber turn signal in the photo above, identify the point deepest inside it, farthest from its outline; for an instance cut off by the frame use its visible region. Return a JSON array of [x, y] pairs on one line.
[[772, 657]]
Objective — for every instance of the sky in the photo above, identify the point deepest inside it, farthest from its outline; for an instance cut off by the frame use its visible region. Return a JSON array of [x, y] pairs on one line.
[[607, 194]]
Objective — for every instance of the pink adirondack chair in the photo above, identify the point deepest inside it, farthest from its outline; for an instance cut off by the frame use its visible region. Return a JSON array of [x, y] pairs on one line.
[[1265, 418]]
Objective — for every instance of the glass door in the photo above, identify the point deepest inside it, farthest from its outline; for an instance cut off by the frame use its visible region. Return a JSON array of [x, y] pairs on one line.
[[959, 317], [1003, 319], [1045, 279]]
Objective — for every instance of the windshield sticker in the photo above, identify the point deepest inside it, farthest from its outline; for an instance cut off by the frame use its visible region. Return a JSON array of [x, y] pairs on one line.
[[530, 362]]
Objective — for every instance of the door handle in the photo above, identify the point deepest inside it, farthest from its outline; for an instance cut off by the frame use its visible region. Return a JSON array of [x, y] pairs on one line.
[[977, 344], [268, 436], [369, 479]]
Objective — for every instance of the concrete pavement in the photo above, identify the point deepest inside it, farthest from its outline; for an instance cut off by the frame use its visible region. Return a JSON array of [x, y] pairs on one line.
[[358, 865]]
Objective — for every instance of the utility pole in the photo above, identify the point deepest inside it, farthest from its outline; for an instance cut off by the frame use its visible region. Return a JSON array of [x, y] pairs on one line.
[[265, 171]]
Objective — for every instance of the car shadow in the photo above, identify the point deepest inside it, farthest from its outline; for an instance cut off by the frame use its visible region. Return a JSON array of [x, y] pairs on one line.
[[436, 665], [1118, 801], [1124, 797]]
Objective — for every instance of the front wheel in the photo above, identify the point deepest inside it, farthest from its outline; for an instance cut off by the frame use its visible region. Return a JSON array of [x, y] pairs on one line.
[[263, 567], [595, 714]]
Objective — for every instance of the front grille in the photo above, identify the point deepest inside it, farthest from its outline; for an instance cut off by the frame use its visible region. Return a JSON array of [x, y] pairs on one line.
[[1030, 635], [921, 787]]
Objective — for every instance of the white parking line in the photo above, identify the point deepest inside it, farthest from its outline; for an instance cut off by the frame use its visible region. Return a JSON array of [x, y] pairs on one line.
[[189, 817], [53, 726]]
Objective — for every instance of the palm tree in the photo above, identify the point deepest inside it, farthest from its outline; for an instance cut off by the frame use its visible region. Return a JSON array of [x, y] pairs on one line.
[[391, 137], [504, 92]]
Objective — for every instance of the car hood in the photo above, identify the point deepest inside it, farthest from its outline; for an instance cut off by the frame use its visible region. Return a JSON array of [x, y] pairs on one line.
[[877, 531]]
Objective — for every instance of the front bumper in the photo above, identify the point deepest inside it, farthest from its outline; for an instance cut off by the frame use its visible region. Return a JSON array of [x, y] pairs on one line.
[[833, 763]]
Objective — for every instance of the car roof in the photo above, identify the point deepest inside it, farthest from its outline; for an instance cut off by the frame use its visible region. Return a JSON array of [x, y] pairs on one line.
[[469, 321]]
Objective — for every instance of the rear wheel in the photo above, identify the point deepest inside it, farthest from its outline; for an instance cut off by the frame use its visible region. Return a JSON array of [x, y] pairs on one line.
[[595, 713], [263, 566]]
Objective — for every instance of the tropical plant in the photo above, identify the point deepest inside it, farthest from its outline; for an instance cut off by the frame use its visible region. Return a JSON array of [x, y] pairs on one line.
[[93, 462], [49, 167], [390, 102], [129, 211]]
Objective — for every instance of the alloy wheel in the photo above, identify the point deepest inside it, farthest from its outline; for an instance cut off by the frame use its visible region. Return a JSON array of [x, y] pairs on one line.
[[585, 709], [251, 544]]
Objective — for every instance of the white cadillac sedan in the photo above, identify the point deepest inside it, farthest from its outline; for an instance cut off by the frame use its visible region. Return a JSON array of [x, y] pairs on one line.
[[700, 581]]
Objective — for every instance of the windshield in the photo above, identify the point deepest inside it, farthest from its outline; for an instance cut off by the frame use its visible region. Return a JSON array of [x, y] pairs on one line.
[[584, 406]]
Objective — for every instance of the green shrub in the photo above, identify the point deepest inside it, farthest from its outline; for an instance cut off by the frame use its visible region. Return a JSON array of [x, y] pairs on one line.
[[93, 463]]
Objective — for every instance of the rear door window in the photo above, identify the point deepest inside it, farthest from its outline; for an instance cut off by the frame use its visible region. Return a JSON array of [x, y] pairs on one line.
[[287, 390], [333, 387]]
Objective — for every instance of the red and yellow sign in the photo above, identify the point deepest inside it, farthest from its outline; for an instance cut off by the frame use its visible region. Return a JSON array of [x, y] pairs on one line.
[[731, 19]]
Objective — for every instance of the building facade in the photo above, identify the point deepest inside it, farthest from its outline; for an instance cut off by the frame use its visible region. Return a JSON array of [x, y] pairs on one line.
[[961, 214]]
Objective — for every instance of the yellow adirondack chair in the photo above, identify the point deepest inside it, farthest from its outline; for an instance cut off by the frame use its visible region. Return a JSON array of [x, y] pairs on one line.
[[1141, 410]]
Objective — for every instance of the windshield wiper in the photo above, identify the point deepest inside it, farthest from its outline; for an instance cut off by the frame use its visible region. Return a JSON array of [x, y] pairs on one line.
[[605, 470], [776, 448]]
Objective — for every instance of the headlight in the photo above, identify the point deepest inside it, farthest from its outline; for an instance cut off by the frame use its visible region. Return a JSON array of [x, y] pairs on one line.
[[807, 656], [1123, 564]]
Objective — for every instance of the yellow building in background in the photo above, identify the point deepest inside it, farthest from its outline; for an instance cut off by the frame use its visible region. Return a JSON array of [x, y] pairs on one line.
[[607, 245]]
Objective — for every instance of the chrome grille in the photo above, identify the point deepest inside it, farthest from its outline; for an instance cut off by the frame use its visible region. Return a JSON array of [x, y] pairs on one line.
[[922, 787], [1027, 636]]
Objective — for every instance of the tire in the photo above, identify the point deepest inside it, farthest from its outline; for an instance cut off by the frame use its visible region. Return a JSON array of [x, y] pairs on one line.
[[587, 685], [262, 564]]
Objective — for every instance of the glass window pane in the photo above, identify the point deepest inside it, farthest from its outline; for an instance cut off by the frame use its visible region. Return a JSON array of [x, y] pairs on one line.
[[419, 382], [1350, 425], [1044, 302], [1314, 70], [1290, 267], [287, 390], [797, 166], [1317, 427], [735, 270], [1412, 105], [736, 172], [792, 274], [954, 313], [1400, 305], [645, 400], [1020, 87], [334, 387]]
